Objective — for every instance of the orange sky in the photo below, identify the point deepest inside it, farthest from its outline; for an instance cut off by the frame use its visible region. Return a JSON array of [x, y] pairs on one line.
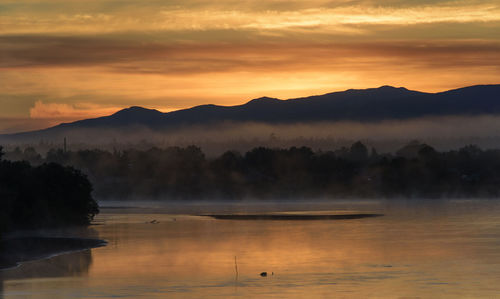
[[67, 60]]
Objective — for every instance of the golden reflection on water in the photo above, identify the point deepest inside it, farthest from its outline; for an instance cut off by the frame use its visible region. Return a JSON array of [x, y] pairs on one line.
[[444, 251]]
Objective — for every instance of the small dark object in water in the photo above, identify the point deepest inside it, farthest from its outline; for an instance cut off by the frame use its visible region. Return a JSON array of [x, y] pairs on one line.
[[154, 222], [263, 274]]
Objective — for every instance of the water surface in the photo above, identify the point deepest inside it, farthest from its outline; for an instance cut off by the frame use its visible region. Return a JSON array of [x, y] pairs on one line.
[[418, 249]]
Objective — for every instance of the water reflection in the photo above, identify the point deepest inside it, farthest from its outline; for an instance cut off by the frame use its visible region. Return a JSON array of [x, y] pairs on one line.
[[54, 266], [445, 250], [66, 265]]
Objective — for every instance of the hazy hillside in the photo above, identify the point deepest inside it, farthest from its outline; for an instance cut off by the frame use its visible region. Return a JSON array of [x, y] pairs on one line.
[[366, 106]]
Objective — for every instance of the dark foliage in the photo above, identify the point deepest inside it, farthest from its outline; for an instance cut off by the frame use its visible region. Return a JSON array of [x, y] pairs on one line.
[[48, 195], [417, 170]]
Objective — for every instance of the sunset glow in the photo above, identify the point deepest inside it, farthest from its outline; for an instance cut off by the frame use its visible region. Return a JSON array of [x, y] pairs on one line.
[[68, 60]]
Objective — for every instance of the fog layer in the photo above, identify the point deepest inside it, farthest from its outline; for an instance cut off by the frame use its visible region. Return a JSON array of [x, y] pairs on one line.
[[442, 132]]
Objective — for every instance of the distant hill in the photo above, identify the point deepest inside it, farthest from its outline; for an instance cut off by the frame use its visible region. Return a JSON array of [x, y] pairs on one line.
[[361, 105]]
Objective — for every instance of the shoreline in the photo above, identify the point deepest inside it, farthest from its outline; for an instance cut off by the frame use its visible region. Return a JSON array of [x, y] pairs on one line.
[[16, 251]]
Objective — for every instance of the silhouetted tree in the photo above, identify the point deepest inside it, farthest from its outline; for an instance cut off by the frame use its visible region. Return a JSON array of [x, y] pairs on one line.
[[358, 152], [49, 195]]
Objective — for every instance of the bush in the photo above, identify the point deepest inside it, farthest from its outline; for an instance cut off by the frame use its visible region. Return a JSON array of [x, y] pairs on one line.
[[49, 195]]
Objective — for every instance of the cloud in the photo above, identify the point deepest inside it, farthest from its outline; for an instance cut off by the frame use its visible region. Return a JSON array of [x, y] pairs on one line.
[[331, 16], [131, 56], [62, 111]]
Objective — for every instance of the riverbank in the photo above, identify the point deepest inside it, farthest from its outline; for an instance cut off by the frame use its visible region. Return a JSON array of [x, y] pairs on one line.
[[14, 251]]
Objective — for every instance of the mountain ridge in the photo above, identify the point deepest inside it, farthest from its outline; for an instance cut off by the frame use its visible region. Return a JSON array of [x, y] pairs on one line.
[[359, 105]]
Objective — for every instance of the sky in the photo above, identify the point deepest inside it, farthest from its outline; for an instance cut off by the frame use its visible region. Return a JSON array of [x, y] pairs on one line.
[[63, 60]]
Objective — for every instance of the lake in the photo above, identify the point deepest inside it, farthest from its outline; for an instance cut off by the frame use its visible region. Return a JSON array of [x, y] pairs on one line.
[[418, 249]]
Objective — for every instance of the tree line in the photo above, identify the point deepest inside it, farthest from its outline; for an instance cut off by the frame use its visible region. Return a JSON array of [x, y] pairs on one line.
[[416, 170]]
